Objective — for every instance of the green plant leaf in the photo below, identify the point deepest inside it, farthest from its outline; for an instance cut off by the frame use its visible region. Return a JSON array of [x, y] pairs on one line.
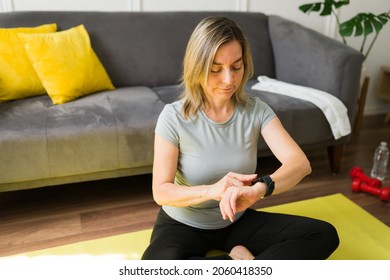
[[384, 17], [363, 24], [324, 8], [327, 8], [338, 4], [367, 21], [377, 24], [308, 8]]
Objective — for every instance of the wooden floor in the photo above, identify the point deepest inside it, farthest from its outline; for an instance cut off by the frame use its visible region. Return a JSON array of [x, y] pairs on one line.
[[52, 216]]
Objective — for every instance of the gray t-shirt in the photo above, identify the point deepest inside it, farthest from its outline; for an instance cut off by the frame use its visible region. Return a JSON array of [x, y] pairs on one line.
[[209, 150]]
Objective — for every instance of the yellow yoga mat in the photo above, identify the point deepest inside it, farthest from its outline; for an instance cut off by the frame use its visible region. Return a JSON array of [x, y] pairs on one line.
[[362, 236]]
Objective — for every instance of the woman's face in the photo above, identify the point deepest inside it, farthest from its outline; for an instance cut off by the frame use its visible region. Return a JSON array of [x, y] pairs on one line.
[[226, 72]]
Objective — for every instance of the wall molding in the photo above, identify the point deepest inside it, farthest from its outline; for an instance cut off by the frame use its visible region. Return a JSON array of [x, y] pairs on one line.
[[135, 5], [331, 28], [242, 5], [7, 6]]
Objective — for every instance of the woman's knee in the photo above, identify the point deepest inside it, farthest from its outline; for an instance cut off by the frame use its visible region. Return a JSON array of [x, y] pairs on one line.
[[162, 253], [327, 239], [330, 235]]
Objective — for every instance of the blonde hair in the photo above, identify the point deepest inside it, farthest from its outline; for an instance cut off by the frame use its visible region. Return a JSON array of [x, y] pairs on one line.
[[202, 46]]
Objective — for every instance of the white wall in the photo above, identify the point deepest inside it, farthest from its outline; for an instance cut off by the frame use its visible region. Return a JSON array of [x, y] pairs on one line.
[[380, 54]]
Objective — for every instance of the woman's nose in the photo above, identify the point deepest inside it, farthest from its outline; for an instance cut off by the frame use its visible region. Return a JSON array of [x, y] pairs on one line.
[[227, 77]]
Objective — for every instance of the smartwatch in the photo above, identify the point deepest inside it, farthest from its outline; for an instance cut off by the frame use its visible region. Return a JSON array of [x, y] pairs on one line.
[[270, 185]]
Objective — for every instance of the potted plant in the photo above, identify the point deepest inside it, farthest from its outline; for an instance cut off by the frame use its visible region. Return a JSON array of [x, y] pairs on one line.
[[362, 24]]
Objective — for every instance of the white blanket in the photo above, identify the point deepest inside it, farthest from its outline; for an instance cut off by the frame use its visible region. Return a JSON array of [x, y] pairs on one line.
[[333, 109]]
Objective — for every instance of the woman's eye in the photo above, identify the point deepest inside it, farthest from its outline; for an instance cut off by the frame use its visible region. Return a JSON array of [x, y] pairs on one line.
[[237, 67], [217, 70]]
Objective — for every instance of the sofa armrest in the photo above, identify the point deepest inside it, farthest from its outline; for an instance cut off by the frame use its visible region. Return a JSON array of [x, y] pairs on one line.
[[308, 58]]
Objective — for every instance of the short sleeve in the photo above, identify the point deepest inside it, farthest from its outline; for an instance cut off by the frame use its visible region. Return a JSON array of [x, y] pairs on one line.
[[166, 126], [264, 113]]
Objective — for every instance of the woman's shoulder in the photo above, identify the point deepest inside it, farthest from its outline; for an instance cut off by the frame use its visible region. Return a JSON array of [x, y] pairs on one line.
[[257, 107], [175, 106], [255, 103], [172, 110]]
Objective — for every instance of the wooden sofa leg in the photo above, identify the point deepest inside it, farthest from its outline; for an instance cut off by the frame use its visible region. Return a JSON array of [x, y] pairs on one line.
[[335, 154]]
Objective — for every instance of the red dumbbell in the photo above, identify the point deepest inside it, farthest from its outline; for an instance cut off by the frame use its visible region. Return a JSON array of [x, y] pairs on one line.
[[358, 173], [383, 193]]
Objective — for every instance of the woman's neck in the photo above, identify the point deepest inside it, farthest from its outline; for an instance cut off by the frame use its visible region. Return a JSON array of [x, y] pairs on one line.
[[219, 112]]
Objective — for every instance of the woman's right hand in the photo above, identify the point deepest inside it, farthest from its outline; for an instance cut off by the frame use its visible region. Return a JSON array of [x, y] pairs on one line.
[[217, 190]]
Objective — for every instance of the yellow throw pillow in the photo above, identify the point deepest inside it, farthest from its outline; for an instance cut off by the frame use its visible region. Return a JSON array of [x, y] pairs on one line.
[[17, 76], [66, 64]]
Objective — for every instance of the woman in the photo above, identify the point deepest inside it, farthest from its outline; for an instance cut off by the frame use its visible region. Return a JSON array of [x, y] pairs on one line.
[[205, 156]]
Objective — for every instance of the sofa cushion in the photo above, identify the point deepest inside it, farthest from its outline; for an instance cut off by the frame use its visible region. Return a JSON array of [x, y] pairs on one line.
[[17, 76], [169, 94], [294, 114], [136, 110], [66, 64], [100, 132]]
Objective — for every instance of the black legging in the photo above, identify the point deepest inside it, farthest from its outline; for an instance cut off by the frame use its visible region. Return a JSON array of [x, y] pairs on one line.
[[266, 235]]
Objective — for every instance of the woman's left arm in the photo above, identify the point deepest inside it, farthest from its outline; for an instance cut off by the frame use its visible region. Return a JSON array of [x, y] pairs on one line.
[[295, 165]]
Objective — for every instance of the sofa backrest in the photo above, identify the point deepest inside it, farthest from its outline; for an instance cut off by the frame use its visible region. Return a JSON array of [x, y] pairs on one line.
[[147, 48]]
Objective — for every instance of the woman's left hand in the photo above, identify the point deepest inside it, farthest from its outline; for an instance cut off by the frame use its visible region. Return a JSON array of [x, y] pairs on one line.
[[237, 199]]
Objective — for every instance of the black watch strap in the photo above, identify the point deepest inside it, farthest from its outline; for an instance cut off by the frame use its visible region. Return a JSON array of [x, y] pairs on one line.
[[269, 183]]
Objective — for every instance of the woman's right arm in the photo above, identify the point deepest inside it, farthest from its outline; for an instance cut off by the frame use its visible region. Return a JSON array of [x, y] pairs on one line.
[[165, 192]]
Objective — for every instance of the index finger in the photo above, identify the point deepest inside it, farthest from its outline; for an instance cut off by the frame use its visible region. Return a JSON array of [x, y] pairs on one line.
[[243, 178]]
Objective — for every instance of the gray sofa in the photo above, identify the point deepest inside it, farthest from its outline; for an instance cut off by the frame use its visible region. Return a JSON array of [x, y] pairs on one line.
[[110, 134]]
